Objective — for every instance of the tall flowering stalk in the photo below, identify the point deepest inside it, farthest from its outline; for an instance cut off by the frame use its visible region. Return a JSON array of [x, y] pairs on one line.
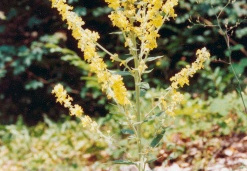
[[87, 42], [139, 22]]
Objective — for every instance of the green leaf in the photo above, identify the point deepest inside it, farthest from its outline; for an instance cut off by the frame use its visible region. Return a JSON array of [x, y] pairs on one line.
[[127, 131], [122, 73], [240, 67], [97, 12], [34, 84], [220, 106], [148, 71], [157, 139], [105, 119], [50, 45], [241, 32], [123, 162], [2, 29], [33, 21], [81, 11], [237, 47], [144, 85], [129, 59], [143, 92], [119, 32], [153, 117], [89, 79], [149, 59]]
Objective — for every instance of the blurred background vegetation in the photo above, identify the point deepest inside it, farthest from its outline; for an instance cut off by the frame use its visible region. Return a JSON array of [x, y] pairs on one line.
[[37, 52], [34, 39]]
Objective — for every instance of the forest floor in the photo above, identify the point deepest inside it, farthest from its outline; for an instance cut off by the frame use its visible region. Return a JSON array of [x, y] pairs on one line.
[[227, 153]]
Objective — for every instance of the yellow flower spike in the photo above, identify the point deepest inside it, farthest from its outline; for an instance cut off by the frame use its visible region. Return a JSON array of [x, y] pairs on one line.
[[87, 43], [182, 78], [147, 15], [75, 110], [64, 99]]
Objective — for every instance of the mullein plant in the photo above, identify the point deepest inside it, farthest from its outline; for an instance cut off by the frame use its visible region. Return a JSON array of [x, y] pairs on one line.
[[139, 22]]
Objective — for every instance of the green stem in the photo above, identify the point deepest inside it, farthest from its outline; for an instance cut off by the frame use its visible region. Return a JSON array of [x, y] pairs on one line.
[[137, 78], [138, 115]]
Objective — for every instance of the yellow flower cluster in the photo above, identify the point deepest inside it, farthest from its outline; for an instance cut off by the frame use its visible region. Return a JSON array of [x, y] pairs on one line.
[[182, 77], [144, 18], [87, 43], [64, 99], [89, 123], [119, 89]]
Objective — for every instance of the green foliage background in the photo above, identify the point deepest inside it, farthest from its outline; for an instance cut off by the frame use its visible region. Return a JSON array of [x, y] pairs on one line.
[[34, 39]]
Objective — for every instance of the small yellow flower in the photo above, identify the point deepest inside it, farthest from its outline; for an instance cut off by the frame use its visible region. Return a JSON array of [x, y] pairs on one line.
[[76, 110], [142, 67], [61, 95], [164, 103], [88, 122]]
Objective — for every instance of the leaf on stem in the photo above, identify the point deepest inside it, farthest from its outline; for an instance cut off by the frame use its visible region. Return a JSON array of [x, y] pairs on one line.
[[157, 139], [129, 59], [122, 73], [144, 85], [127, 131], [153, 117], [148, 71], [123, 162], [119, 32], [149, 59]]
